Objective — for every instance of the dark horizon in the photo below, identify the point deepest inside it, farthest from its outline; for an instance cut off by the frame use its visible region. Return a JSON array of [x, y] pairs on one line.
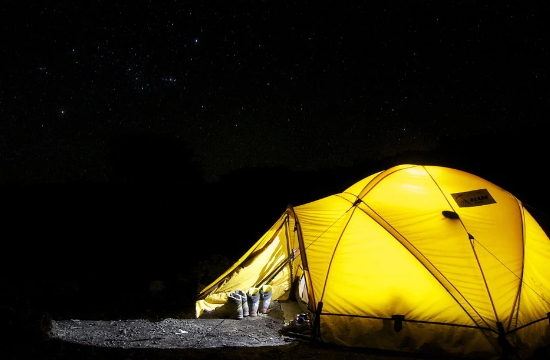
[[140, 142]]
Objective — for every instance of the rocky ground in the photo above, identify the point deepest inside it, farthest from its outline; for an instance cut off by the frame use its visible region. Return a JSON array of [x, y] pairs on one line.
[[263, 337], [250, 338], [262, 330]]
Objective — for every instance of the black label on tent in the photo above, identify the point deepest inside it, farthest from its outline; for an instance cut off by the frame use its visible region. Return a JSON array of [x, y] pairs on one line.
[[473, 198]]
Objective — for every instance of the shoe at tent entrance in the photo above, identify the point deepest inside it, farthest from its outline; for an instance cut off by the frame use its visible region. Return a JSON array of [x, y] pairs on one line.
[[421, 259]]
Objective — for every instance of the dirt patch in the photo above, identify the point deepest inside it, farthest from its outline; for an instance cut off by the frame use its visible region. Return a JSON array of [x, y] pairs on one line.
[[260, 337], [262, 330], [250, 338]]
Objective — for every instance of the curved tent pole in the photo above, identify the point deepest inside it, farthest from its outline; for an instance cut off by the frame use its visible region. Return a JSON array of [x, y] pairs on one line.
[[290, 255], [253, 252], [310, 293], [267, 279]]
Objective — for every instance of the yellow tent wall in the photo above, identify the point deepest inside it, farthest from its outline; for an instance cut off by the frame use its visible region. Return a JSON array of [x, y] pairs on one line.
[[413, 258], [273, 259]]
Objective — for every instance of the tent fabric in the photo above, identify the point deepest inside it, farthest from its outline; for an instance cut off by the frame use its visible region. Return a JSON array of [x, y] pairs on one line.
[[266, 261], [414, 258]]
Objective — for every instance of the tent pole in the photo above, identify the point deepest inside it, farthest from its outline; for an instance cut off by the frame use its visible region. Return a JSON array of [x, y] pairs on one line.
[[316, 328], [276, 271]]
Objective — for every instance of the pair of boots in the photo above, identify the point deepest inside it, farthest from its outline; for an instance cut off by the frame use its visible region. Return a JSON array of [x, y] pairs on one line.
[[300, 324], [233, 307], [240, 304], [259, 299]]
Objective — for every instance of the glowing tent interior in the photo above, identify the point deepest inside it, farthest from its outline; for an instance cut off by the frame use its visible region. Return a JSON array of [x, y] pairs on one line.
[[415, 258]]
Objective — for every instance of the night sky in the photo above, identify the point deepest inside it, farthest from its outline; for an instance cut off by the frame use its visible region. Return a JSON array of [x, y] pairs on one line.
[[140, 138], [243, 84]]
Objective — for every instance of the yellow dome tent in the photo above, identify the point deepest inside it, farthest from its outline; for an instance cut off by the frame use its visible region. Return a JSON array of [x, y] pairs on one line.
[[422, 259]]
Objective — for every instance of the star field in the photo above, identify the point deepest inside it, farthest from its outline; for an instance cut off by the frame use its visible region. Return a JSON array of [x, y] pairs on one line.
[[307, 85]]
